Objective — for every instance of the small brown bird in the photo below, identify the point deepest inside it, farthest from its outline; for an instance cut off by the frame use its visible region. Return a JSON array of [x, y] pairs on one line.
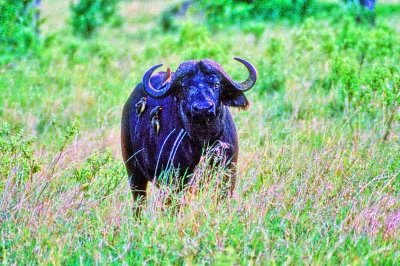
[[167, 77], [141, 106], [155, 122], [155, 118]]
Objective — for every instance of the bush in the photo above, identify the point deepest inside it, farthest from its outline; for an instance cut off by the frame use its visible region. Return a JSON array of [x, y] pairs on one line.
[[272, 78], [170, 16], [194, 42], [18, 29], [17, 161], [88, 15], [366, 72], [235, 11], [99, 175], [362, 11]]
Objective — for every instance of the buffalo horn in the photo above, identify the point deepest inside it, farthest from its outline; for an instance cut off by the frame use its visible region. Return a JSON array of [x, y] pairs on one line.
[[251, 80], [160, 92]]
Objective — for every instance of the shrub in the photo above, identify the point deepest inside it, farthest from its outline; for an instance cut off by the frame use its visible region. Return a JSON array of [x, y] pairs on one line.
[[193, 42], [18, 29], [170, 16], [272, 78], [88, 15], [366, 73], [235, 11], [99, 175], [16, 157], [361, 11]]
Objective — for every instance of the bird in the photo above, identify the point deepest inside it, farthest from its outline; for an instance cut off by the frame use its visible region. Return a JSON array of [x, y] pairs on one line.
[[155, 118], [141, 106]]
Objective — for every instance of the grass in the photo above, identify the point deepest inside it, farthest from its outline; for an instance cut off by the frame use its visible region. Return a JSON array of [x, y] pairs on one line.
[[318, 184]]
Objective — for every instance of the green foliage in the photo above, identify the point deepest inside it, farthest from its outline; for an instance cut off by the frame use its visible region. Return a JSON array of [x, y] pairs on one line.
[[88, 15], [256, 28], [273, 78], [169, 17], [316, 184], [366, 70], [233, 11], [360, 13], [99, 175], [18, 29], [193, 41], [16, 156], [361, 63]]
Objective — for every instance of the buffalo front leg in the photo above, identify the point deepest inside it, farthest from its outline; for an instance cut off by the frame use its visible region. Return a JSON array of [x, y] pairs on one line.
[[138, 185]]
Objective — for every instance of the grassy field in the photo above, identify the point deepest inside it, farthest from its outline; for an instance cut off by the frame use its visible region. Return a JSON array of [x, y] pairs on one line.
[[319, 166]]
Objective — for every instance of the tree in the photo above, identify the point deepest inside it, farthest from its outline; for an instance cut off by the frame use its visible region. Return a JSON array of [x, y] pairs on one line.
[[368, 4], [33, 6], [19, 28]]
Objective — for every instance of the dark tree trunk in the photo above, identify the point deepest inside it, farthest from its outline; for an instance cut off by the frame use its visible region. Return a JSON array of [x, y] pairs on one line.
[[34, 6], [369, 4], [368, 12]]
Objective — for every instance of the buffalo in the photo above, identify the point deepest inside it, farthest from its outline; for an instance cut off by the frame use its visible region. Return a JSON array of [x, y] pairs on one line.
[[170, 117]]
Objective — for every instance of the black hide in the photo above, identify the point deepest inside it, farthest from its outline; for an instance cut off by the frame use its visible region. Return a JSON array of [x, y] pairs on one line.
[[173, 130]]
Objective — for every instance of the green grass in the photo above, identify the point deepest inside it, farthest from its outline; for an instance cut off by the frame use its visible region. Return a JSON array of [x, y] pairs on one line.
[[318, 184]]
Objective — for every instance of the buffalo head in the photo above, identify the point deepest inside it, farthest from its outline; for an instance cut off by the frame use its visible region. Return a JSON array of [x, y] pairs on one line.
[[202, 89]]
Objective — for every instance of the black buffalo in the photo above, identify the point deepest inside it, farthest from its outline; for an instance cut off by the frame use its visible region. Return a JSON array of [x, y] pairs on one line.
[[170, 118]]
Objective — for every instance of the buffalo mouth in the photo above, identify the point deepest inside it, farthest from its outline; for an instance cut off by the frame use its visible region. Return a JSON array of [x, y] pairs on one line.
[[204, 129], [209, 121], [204, 120]]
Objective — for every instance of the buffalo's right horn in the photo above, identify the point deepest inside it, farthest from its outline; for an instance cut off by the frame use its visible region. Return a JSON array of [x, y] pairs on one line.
[[160, 92], [251, 80]]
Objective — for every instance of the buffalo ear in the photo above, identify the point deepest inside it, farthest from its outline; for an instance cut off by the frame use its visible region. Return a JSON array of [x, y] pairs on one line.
[[234, 98]]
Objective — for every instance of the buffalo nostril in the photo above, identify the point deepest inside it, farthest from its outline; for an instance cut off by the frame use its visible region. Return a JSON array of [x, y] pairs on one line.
[[211, 109], [196, 108], [206, 108]]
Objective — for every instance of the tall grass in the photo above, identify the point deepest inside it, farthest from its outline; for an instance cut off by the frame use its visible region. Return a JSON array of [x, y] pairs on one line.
[[318, 181]]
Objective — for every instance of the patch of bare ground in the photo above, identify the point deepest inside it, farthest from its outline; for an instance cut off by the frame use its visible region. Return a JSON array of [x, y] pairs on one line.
[[87, 143]]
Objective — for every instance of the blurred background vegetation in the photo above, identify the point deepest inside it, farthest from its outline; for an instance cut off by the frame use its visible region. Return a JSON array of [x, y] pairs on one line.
[[319, 165]]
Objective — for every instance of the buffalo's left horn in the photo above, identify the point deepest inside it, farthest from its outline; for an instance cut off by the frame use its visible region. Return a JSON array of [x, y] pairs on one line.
[[160, 92], [251, 80]]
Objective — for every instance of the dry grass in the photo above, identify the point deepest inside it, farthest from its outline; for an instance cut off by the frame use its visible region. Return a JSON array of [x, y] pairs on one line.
[[313, 187]]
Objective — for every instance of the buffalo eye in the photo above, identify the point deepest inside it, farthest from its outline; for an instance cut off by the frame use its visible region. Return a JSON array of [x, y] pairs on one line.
[[216, 85], [184, 87]]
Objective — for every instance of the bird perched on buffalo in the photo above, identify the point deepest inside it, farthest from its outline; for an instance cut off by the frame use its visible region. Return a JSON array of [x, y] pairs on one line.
[[170, 117]]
